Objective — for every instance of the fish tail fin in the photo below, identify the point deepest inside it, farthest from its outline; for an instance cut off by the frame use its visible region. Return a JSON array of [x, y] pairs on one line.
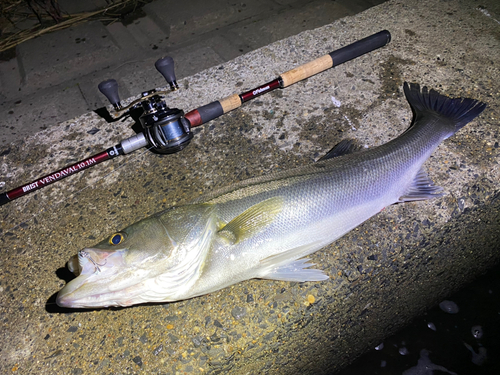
[[460, 110]]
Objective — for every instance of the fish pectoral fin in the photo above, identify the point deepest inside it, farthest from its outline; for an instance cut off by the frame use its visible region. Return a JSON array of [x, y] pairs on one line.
[[287, 266], [422, 188], [251, 220], [297, 270]]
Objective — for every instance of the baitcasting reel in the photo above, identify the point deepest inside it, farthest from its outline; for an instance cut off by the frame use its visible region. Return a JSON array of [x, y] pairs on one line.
[[165, 129]]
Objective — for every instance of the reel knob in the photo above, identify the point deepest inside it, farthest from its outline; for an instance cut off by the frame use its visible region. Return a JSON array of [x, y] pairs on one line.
[[110, 90], [165, 66]]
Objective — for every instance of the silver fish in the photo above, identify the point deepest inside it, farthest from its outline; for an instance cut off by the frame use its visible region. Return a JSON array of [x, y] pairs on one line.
[[264, 227]]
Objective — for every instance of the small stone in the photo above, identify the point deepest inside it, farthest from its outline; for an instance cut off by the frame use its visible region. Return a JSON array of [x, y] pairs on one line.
[[203, 359], [173, 338], [214, 338], [158, 349], [477, 332], [403, 351], [196, 342], [238, 312], [137, 360], [449, 307], [249, 298]]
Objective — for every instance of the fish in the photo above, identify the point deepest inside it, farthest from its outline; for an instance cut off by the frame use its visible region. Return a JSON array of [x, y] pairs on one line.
[[265, 227]]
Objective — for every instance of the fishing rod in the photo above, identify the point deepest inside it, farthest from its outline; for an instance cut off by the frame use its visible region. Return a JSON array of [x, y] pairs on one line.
[[168, 130]]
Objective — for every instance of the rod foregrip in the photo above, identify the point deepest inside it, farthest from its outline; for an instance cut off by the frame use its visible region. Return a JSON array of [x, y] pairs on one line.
[[335, 58], [213, 110], [231, 102]]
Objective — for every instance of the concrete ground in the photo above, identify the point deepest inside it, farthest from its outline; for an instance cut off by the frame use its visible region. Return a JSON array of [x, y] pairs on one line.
[[54, 77], [392, 268]]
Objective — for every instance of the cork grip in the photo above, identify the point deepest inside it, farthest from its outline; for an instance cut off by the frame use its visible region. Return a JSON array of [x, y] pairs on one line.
[[231, 102], [306, 70]]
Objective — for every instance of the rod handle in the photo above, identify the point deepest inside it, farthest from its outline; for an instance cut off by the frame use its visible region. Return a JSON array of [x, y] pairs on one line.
[[337, 57], [217, 108]]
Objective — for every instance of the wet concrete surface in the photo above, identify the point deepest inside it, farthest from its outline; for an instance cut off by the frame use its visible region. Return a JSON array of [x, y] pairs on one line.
[[382, 274]]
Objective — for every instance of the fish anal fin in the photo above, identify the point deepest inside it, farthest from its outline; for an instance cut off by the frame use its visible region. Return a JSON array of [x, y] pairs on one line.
[[251, 220], [422, 188], [344, 147]]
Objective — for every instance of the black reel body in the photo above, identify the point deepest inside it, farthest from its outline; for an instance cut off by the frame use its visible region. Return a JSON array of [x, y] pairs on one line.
[[165, 129]]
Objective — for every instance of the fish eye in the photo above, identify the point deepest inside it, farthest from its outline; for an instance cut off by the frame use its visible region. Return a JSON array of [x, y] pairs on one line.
[[116, 239]]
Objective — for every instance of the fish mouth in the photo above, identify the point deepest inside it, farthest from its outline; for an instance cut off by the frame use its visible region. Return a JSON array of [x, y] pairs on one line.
[[68, 296], [75, 295], [95, 285]]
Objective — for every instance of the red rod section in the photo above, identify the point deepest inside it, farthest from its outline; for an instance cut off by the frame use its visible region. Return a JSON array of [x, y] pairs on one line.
[[60, 174], [246, 96]]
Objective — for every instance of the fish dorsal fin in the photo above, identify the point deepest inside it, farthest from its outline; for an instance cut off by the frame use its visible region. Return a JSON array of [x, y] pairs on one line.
[[422, 188], [251, 220], [344, 147]]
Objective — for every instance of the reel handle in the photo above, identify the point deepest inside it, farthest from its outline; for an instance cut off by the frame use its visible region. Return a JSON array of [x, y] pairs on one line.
[[165, 66], [110, 90]]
